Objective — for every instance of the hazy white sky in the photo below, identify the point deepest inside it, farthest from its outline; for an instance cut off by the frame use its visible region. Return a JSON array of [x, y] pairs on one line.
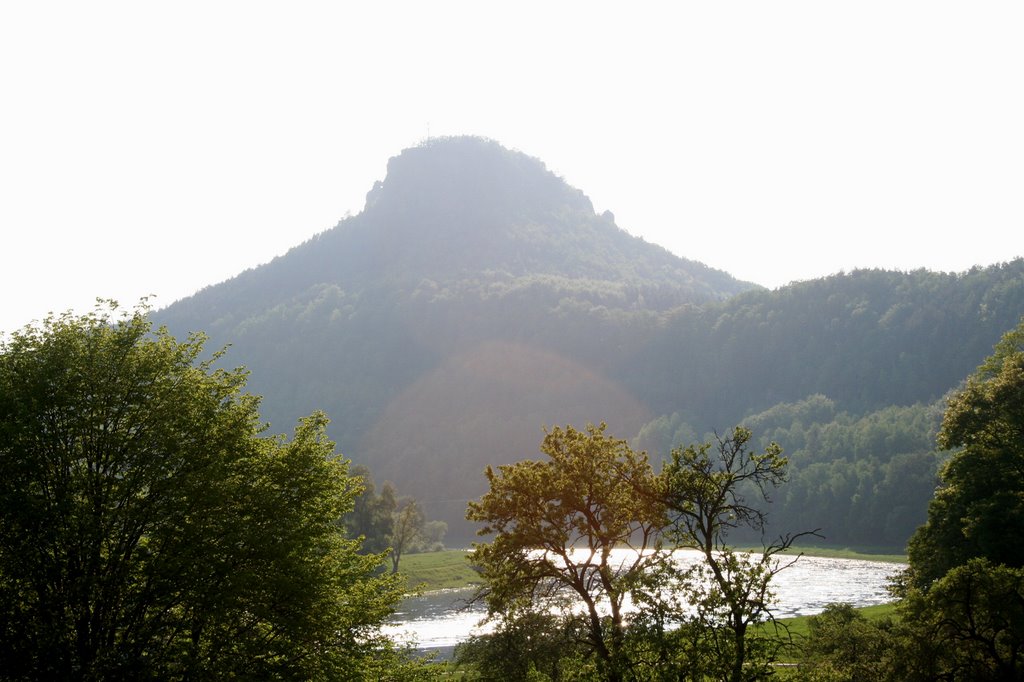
[[162, 147]]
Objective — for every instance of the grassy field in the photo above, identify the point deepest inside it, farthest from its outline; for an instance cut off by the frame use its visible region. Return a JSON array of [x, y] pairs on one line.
[[798, 626], [865, 553], [439, 570]]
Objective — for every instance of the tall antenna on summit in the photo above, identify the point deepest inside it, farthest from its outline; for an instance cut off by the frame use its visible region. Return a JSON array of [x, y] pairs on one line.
[[428, 132]]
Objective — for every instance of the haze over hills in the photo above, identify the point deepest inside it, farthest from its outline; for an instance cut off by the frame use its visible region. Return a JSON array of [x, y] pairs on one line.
[[478, 298], [466, 208]]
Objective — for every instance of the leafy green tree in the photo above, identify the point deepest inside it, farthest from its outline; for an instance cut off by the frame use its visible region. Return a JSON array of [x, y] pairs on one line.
[[962, 613], [528, 644], [406, 529], [964, 590], [390, 524], [372, 515], [705, 491], [555, 526], [843, 646], [978, 511], [971, 622], [432, 538], [150, 532]]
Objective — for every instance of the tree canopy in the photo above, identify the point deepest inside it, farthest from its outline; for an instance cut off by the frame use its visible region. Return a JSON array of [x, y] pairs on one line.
[[961, 612], [978, 511], [586, 531], [555, 525], [152, 532], [706, 491], [963, 595]]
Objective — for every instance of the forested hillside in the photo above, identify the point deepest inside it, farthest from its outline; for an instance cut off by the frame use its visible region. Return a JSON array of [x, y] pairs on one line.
[[847, 373], [477, 294], [479, 298], [866, 339]]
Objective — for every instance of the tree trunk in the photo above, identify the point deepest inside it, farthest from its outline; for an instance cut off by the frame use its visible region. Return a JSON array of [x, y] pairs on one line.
[[739, 630]]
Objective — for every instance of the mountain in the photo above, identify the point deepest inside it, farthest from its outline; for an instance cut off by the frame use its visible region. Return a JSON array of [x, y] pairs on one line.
[[478, 298], [466, 210]]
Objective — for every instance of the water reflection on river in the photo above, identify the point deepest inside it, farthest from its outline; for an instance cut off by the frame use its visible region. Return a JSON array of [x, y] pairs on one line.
[[440, 620]]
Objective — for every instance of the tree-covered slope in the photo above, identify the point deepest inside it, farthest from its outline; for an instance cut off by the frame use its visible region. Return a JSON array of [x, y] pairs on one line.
[[478, 298], [848, 374], [867, 339], [467, 256]]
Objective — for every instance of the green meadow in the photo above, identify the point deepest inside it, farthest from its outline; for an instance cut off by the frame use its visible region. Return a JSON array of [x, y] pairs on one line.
[[444, 570]]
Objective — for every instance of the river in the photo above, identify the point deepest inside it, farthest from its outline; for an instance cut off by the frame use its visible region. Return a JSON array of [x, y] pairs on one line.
[[437, 621]]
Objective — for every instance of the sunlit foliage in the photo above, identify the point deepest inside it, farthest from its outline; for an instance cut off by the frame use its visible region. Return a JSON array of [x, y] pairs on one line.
[[556, 525], [151, 532]]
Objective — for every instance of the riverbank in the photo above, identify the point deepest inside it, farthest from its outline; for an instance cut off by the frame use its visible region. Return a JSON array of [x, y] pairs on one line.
[[798, 627], [449, 569], [862, 553]]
